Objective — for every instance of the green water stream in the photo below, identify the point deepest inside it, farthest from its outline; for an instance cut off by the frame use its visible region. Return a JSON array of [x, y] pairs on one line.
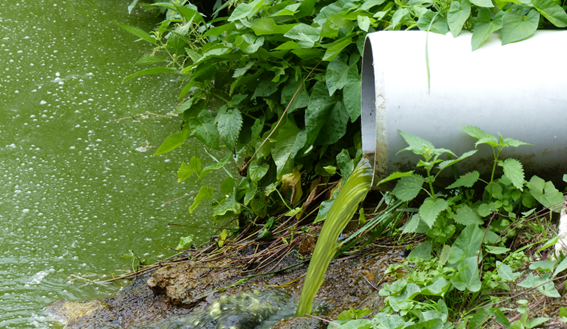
[[351, 194], [77, 189]]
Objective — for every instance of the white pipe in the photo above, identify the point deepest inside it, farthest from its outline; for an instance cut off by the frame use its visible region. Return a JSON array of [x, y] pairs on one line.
[[519, 90]]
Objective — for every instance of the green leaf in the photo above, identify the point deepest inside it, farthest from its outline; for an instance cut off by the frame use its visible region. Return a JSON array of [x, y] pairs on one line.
[[222, 237], [408, 187], [256, 172], [477, 133], [336, 48], [514, 142], [250, 193], [172, 142], [345, 164], [412, 226], [552, 11], [305, 35], [395, 175], [458, 15], [560, 268], [533, 323], [466, 245], [356, 324], [229, 124], [288, 10], [468, 276], [336, 76], [148, 59], [485, 26], [466, 216], [137, 32], [218, 30], [185, 242], [352, 93], [545, 286], [516, 26], [245, 10], [438, 288], [185, 171], [430, 209], [227, 205], [204, 193], [131, 6], [483, 3], [505, 272], [215, 166], [153, 70], [416, 144], [514, 171], [227, 186], [293, 212], [448, 163], [466, 180], [206, 131], [289, 141], [546, 193], [422, 251], [438, 26], [324, 209], [370, 3], [320, 104], [543, 265], [363, 22], [495, 250], [267, 26]]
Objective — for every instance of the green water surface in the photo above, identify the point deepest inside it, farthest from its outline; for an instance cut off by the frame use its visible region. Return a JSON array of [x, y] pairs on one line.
[[78, 190]]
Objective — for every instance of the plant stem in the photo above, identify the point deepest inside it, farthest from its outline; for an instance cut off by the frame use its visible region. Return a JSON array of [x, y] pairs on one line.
[[430, 184]]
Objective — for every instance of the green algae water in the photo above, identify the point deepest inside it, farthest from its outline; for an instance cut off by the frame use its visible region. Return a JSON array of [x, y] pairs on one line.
[[351, 194], [80, 187]]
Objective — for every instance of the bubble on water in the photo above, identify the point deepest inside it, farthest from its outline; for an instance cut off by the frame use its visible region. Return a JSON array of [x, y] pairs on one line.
[[42, 102]]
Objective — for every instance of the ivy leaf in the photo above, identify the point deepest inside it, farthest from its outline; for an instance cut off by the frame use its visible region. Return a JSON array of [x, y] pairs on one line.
[[407, 188], [337, 74], [257, 171], [245, 10], [335, 124], [288, 10], [546, 193], [345, 164], [214, 166], [227, 205], [430, 209], [515, 27], [482, 3], [485, 26], [543, 265], [267, 26], [438, 26], [172, 142], [363, 22], [423, 251], [289, 141], [466, 216], [505, 272], [336, 48], [438, 288], [514, 171], [552, 11], [320, 104], [305, 35], [185, 171], [205, 129], [229, 124], [468, 276], [466, 245], [466, 180], [204, 193], [352, 93], [458, 15]]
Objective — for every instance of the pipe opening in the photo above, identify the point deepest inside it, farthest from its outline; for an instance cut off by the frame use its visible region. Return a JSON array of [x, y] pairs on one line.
[[368, 109]]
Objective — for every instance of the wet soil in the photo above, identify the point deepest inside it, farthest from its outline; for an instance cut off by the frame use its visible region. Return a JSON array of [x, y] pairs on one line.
[[174, 295]]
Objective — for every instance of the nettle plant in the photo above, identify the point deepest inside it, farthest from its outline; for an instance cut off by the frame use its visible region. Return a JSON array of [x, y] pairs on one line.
[[276, 83], [442, 211], [450, 282]]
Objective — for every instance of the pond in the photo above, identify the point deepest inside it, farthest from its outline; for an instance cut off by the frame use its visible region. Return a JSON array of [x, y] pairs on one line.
[[80, 187]]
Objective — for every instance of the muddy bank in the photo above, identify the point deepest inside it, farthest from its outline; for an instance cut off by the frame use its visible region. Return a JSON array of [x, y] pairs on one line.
[[212, 294]]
